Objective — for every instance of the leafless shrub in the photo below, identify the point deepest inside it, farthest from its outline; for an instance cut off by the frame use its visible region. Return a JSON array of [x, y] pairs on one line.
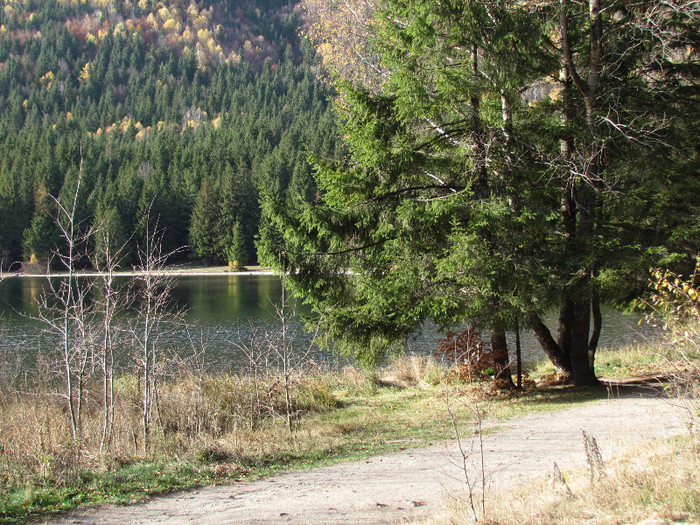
[[156, 316], [472, 454], [65, 311], [276, 359], [112, 300]]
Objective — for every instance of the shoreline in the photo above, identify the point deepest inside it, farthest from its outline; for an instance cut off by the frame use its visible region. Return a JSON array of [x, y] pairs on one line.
[[176, 272]]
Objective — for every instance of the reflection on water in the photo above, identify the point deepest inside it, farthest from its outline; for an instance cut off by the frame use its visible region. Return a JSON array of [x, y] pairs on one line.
[[222, 309]]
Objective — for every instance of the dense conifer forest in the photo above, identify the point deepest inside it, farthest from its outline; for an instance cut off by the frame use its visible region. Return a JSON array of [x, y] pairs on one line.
[[175, 116]]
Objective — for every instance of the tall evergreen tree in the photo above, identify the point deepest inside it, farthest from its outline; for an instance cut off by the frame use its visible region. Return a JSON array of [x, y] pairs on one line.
[[489, 180]]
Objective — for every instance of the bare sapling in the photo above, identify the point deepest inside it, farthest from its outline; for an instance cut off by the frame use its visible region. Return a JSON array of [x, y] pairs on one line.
[[155, 317], [64, 308], [256, 372], [113, 299], [277, 353], [289, 358], [471, 456]]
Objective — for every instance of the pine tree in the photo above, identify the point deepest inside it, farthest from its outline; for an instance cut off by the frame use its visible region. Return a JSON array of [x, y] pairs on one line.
[[204, 227], [480, 188]]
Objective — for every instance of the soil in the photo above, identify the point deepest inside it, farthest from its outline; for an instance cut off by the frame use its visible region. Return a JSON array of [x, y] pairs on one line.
[[413, 484]]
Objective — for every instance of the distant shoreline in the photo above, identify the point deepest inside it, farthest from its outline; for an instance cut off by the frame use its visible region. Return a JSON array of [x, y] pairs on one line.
[[174, 271]]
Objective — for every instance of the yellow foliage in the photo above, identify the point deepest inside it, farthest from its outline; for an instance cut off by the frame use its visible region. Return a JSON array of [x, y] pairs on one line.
[[325, 49], [47, 79], [201, 57], [69, 116], [200, 22], [164, 13], [143, 133], [203, 35], [125, 124], [556, 92], [172, 26], [674, 298]]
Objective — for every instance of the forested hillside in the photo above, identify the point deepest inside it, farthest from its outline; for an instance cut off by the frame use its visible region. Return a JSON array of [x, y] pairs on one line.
[[173, 114]]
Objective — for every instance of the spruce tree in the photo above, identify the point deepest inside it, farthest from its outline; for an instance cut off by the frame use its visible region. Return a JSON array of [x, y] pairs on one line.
[[490, 179]]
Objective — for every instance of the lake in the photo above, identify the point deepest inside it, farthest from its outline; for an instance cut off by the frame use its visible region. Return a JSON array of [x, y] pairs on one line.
[[223, 311]]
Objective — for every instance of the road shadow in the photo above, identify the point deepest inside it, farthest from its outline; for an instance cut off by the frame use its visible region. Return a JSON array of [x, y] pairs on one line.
[[652, 386]]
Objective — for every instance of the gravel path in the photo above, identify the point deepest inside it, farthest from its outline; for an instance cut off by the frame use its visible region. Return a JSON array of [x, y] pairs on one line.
[[411, 484]]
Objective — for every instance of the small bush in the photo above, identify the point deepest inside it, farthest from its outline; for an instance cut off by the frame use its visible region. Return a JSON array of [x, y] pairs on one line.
[[675, 300], [470, 356]]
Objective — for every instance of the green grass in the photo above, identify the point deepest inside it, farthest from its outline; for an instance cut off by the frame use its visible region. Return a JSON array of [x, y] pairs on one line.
[[131, 484]]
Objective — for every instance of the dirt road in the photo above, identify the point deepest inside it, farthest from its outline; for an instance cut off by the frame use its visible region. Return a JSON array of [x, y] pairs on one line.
[[408, 485]]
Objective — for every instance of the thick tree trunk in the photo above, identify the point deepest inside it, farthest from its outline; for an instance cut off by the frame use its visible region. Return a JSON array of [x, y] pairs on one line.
[[565, 328], [501, 363], [560, 360], [581, 369]]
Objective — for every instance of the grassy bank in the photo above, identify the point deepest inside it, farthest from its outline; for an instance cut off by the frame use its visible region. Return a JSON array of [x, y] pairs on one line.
[[229, 427]]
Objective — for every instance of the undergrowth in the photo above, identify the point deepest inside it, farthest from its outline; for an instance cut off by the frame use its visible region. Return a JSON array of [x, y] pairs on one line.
[[224, 428]]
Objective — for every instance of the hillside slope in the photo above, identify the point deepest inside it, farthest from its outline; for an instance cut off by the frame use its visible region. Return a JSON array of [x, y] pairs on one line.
[[158, 106]]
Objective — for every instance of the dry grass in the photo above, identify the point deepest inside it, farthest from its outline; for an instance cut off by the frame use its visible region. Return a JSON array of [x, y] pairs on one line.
[[213, 417], [659, 482], [235, 419], [413, 370]]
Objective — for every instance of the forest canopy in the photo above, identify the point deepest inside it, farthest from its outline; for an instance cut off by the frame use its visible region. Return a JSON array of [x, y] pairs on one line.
[[177, 110]]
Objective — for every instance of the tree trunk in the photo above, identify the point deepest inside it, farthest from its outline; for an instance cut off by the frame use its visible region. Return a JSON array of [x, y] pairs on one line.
[[597, 326], [560, 360], [581, 369], [501, 363], [565, 328]]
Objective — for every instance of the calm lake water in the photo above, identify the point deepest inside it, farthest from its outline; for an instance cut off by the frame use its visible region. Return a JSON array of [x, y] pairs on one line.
[[223, 311]]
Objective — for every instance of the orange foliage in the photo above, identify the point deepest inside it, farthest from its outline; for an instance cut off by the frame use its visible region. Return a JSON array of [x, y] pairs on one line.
[[468, 353]]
